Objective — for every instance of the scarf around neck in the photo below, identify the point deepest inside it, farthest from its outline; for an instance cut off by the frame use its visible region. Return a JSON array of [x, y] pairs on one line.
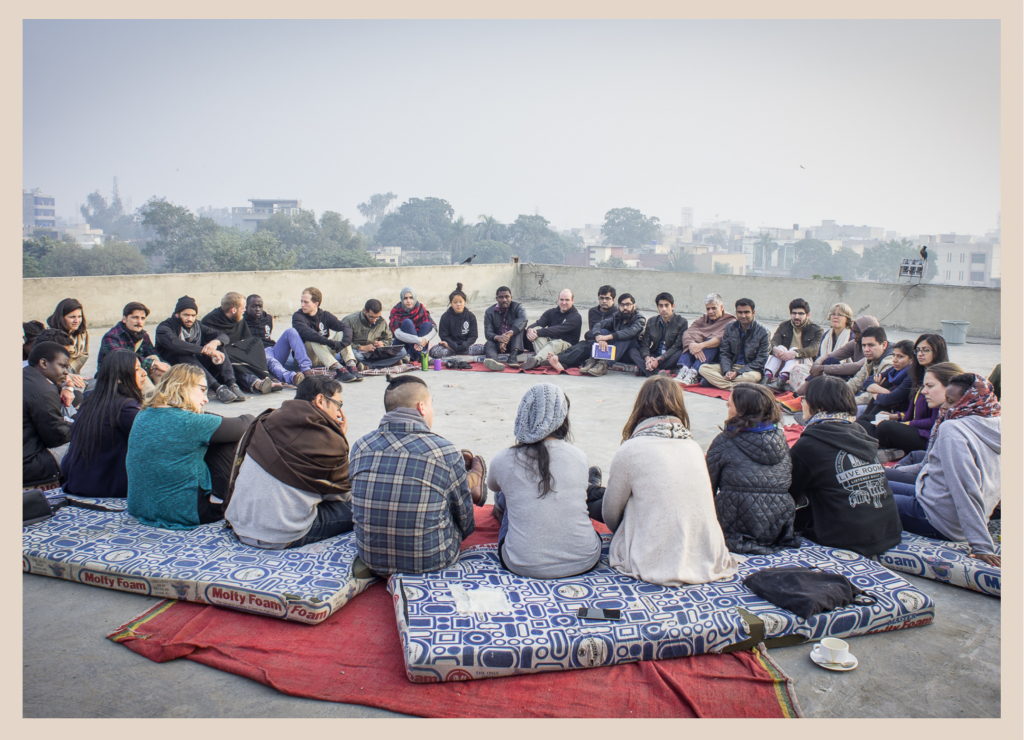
[[135, 336], [400, 313], [839, 418], [979, 400], [666, 427]]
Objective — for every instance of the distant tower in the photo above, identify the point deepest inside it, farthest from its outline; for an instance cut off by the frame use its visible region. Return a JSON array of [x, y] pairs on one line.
[[686, 219]]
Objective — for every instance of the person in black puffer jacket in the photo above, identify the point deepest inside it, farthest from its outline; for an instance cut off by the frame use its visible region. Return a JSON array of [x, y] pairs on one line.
[[751, 473]]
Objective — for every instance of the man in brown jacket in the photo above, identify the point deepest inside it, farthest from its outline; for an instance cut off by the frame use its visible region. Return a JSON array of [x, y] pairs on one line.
[[290, 485], [795, 341]]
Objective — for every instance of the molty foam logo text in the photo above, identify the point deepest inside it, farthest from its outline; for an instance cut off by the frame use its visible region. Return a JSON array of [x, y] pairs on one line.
[[121, 583], [251, 602]]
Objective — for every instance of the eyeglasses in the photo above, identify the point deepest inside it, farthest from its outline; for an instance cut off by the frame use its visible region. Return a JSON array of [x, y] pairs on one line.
[[798, 314], [339, 404], [923, 350]]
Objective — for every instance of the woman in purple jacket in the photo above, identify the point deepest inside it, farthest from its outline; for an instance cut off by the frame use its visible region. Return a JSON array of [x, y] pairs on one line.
[[910, 430]]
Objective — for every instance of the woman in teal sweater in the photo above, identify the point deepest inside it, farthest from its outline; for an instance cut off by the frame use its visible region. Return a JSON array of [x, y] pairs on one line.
[[179, 459]]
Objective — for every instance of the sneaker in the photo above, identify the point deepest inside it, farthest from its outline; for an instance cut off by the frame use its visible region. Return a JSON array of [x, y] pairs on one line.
[[224, 394], [600, 368], [777, 385], [888, 454], [493, 365], [345, 376], [353, 371], [530, 362], [299, 377], [594, 476], [237, 391], [264, 386]]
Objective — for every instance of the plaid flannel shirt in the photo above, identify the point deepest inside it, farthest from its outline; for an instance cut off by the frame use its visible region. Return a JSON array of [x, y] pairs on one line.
[[411, 504], [118, 338]]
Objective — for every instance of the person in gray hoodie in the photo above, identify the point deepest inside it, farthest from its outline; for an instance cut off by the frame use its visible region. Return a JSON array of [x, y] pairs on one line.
[[957, 485]]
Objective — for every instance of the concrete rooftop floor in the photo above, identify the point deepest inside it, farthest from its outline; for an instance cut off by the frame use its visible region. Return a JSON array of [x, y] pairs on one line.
[[907, 673]]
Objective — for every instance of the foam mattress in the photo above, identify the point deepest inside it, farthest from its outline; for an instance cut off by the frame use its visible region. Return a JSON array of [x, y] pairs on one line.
[[208, 564], [477, 620], [947, 562]]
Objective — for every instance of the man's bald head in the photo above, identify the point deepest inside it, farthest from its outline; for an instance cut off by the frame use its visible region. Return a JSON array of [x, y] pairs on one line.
[[405, 392]]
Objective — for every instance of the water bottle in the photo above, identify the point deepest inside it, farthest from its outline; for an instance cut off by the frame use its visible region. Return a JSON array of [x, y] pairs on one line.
[[425, 363]]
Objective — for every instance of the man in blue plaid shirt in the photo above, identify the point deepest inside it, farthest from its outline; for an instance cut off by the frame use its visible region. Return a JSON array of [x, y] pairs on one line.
[[412, 491]]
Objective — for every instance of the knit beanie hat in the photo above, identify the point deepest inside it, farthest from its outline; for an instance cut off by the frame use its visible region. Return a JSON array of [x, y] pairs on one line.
[[542, 410], [186, 302]]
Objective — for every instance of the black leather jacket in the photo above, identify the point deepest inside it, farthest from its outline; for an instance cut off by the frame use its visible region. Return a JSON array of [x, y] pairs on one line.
[[756, 348]]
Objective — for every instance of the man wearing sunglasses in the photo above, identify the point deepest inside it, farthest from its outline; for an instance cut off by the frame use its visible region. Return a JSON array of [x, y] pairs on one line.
[[293, 484]]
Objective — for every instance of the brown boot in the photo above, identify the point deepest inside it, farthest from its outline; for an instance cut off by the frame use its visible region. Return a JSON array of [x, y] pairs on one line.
[[476, 479], [588, 365], [600, 368]]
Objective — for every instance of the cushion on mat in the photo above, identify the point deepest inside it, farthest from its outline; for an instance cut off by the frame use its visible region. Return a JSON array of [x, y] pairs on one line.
[[712, 391], [207, 564], [542, 632], [947, 562]]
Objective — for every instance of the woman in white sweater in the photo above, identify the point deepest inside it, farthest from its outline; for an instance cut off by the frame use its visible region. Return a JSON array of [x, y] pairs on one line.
[[659, 501]]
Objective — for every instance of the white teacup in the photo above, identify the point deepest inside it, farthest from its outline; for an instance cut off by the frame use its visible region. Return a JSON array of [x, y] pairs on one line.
[[832, 650]]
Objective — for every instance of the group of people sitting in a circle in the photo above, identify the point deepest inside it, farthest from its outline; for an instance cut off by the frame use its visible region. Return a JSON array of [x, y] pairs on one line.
[[289, 476]]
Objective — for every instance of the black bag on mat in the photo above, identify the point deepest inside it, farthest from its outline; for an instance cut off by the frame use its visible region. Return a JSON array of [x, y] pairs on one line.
[[805, 591]]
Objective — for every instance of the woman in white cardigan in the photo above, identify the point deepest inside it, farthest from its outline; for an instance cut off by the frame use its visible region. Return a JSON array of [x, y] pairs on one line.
[[659, 501]]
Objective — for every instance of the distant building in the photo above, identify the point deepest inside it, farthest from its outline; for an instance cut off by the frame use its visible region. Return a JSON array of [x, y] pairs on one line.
[[387, 255], [38, 213], [966, 263], [82, 233], [261, 209], [686, 220]]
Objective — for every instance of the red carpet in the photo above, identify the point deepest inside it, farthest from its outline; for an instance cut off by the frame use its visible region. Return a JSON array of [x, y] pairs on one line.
[[355, 657], [712, 391], [790, 400], [793, 432]]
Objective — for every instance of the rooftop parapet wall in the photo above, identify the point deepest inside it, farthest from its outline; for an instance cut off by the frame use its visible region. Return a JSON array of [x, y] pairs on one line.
[[922, 309], [345, 290]]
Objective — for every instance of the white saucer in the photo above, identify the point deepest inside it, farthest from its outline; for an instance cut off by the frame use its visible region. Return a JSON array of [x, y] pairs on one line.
[[834, 666]]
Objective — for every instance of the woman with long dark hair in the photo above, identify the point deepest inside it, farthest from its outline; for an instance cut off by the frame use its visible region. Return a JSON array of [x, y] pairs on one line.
[[910, 430], [69, 316], [94, 465], [540, 487], [750, 472], [659, 501]]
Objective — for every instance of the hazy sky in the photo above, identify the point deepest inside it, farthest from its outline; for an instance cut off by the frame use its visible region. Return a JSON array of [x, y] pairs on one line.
[[895, 122]]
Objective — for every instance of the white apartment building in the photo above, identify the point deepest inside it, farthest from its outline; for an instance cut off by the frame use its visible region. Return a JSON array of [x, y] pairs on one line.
[[249, 218]]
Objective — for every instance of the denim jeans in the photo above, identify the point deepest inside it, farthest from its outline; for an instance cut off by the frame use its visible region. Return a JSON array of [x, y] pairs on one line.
[[290, 343], [408, 327], [687, 360], [912, 515], [332, 518]]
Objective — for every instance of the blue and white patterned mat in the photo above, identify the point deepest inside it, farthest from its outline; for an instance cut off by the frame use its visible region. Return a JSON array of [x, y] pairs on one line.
[[947, 562], [541, 632], [207, 564]]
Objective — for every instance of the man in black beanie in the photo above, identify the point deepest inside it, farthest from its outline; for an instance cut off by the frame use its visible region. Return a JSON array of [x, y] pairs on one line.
[[182, 340]]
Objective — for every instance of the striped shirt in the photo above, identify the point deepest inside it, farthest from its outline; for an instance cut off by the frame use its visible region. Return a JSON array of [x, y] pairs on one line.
[[411, 504]]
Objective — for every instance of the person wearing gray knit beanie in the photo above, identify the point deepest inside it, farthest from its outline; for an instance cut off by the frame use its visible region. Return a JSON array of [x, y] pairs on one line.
[[542, 410], [541, 493]]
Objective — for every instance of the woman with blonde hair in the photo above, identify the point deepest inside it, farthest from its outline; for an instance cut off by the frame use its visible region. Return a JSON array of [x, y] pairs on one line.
[[179, 458], [659, 501]]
